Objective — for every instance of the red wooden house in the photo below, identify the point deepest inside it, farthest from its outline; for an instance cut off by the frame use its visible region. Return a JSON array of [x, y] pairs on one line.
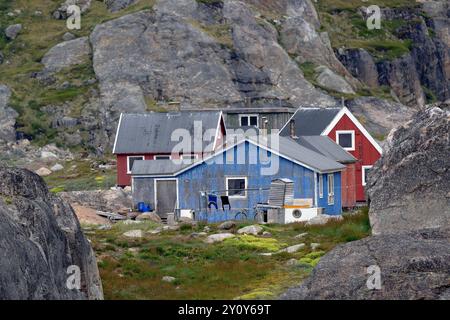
[[158, 136], [341, 126]]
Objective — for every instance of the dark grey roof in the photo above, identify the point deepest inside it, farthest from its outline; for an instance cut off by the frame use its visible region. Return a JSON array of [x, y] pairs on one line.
[[327, 147], [151, 132], [157, 167], [290, 148], [311, 121]]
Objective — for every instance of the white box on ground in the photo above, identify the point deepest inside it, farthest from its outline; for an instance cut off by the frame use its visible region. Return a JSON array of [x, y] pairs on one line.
[[292, 215]]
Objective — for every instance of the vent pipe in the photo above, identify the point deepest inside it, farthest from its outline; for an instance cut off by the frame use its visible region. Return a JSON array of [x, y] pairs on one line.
[[292, 129]]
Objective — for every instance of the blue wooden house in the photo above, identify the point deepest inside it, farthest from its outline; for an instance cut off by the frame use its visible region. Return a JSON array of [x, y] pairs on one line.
[[242, 173]]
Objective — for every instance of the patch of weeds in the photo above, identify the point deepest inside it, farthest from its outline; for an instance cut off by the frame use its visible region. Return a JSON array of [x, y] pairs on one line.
[[7, 199], [57, 189], [153, 105], [430, 96], [258, 295], [254, 243], [312, 258], [309, 71]]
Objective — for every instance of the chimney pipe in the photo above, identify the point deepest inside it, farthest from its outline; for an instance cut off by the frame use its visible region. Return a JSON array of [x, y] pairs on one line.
[[264, 126], [292, 129]]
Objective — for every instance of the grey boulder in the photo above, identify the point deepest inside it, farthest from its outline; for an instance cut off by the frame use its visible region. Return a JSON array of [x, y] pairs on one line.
[[66, 54], [412, 266], [219, 237], [7, 116], [12, 31], [41, 243], [409, 187], [254, 230], [330, 80]]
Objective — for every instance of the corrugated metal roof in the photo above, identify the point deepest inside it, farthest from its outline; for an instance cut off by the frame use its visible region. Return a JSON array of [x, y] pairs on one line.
[[327, 147], [311, 121], [290, 148], [151, 132], [157, 167]]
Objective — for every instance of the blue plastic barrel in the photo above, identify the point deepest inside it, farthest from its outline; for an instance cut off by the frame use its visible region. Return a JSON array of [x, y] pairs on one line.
[[141, 206]]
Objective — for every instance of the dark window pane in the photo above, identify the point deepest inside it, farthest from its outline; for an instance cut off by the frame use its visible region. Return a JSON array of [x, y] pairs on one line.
[[345, 140], [366, 173], [162, 157], [244, 121], [254, 121], [131, 161], [236, 187]]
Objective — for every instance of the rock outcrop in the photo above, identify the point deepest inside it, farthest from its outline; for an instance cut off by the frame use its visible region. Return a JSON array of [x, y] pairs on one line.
[[7, 116], [419, 75], [117, 5], [330, 80], [41, 243], [409, 187], [66, 54], [412, 266], [192, 54], [379, 116], [115, 200]]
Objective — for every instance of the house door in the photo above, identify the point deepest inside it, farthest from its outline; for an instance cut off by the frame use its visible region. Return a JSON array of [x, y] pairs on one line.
[[166, 197]]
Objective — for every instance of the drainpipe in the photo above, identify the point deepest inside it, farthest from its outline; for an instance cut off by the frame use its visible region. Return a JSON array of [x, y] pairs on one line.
[[316, 201], [292, 129]]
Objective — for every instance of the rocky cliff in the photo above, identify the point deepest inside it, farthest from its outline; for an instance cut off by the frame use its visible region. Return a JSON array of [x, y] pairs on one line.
[[155, 55], [40, 239], [409, 187]]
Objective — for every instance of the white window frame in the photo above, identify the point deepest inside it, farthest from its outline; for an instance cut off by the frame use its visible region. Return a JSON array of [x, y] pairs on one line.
[[352, 132], [364, 182], [321, 186], [248, 116], [330, 190], [128, 162], [235, 178], [155, 157]]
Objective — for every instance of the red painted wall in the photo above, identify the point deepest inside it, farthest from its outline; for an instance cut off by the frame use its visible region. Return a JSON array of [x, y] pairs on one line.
[[365, 152], [123, 178], [348, 186]]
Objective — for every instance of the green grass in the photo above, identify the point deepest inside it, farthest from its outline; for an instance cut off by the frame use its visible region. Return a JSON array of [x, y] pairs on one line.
[[348, 29], [80, 175], [351, 5], [233, 269]]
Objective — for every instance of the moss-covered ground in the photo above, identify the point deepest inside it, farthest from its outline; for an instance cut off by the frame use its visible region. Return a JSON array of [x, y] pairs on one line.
[[234, 269]]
